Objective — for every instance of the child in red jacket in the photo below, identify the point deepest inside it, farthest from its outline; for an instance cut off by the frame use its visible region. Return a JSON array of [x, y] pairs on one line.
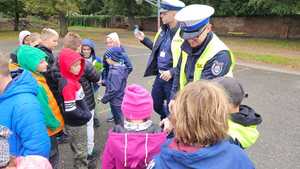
[[76, 112]]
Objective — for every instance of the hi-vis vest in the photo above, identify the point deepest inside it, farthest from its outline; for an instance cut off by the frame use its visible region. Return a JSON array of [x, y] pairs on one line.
[[213, 47], [175, 45], [246, 135]]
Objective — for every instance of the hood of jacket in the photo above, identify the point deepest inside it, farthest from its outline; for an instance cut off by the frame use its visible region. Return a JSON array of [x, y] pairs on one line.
[[67, 57], [246, 116], [222, 155], [30, 57], [134, 150], [24, 83], [91, 44]]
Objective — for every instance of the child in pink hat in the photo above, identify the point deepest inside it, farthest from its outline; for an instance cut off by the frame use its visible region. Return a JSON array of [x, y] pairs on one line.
[[133, 144]]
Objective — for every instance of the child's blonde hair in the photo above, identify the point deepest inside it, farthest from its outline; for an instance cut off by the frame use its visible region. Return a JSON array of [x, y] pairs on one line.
[[72, 40], [4, 64], [48, 33], [199, 114]]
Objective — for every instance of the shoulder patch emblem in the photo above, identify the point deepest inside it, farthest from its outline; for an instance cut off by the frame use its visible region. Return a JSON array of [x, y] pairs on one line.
[[217, 68]]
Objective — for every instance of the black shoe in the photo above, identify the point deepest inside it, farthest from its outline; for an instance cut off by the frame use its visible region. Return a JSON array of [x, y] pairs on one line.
[[96, 122], [63, 138]]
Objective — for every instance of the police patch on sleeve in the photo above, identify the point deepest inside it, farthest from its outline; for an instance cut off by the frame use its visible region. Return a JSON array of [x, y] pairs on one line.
[[151, 164], [217, 68]]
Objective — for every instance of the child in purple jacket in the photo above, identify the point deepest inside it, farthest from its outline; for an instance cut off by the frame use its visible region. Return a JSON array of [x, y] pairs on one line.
[[133, 144]]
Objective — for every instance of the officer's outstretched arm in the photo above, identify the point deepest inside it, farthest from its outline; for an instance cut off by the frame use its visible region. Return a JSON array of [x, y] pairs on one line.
[[147, 42]]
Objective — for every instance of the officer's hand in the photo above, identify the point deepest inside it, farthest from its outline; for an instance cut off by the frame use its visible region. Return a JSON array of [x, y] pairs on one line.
[[139, 35], [166, 124], [166, 75]]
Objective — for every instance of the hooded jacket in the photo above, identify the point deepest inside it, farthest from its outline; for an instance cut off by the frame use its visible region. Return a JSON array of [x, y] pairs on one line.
[[115, 84], [76, 112], [94, 59], [24, 117], [91, 44], [242, 126], [90, 76], [222, 155], [131, 150], [29, 59]]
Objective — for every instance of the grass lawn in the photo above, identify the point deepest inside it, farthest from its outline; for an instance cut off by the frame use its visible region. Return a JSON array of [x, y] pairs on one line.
[[270, 51], [291, 62]]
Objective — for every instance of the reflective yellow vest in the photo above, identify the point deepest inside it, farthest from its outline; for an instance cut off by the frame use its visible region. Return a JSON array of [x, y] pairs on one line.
[[246, 135], [213, 47], [175, 45]]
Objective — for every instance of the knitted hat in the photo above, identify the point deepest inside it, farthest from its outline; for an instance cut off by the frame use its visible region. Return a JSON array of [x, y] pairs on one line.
[[22, 36], [30, 57], [137, 103], [4, 146], [115, 54]]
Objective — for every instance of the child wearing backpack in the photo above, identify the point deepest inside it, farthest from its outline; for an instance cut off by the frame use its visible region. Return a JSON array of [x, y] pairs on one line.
[[133, 144]]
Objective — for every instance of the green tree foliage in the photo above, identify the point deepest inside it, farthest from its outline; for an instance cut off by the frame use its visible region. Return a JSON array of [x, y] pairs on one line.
[[59, 8], [91, 7], [14, 9], [251, 7], [127, 8]]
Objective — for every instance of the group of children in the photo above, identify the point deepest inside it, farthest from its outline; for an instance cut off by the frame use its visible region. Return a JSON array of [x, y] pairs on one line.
[[210, 128]]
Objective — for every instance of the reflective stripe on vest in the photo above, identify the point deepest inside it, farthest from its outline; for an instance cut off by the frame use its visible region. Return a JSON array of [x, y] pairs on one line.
[[213, 47], [175, 45], [246, 135]]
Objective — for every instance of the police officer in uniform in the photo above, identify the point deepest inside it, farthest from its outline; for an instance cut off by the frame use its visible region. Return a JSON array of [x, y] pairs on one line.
[[165, 54], [203, 55]]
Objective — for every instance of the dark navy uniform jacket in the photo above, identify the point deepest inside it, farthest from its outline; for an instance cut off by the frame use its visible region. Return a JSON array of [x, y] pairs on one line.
[[217, 66], [163, 43]]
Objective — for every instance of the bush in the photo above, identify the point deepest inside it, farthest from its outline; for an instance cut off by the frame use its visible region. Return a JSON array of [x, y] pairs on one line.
[[87, 20]]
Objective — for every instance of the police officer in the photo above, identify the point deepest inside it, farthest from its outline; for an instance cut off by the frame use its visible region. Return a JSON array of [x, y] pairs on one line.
[[203, 55], [164, 56]]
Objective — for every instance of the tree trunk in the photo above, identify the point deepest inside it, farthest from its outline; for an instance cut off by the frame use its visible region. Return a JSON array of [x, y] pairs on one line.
[[17, 16], [63, 24]]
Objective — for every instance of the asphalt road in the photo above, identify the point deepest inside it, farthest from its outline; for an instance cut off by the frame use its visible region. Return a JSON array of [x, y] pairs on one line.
[[274, 95]]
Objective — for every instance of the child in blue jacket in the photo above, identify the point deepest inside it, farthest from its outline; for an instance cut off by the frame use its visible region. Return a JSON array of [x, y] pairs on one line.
[[116, 82], [21, 112]]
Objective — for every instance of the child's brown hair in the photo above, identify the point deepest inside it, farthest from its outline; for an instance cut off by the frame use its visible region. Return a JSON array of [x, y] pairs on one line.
[[72, 40], [47, 33], [4, 62], [199, 114]]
